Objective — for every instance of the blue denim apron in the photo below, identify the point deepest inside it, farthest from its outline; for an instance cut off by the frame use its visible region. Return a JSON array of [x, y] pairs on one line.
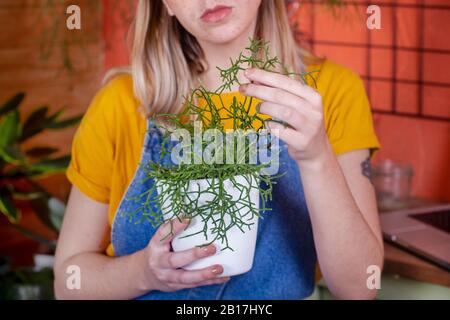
[[285, 257]]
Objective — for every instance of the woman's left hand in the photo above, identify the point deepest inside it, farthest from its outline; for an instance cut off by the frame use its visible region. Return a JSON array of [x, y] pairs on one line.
[[297, 105]]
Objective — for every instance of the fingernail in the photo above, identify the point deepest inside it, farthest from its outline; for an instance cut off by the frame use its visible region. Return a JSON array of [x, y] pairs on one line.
[[209, 250], [242, 88], [217, 270]]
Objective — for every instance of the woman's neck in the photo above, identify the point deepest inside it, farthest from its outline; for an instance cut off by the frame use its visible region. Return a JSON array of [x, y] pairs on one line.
[[218, 55]]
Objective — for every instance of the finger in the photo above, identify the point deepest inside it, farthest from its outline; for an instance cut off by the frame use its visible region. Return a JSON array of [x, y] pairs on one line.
[[256, 82], [284, 113], [275, 95], [213, 281], [175, 260], [165, 234], [200, 284], [288, 135], [281, 81], [194, 276]]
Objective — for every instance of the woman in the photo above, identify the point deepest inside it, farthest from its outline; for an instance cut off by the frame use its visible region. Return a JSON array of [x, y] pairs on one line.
[[324, 207]]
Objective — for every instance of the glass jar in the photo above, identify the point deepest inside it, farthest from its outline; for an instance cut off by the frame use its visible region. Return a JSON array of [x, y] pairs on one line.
[[392, 182]]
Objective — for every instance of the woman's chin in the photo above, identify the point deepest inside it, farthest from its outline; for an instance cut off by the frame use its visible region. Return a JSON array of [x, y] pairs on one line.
[[221, 36]]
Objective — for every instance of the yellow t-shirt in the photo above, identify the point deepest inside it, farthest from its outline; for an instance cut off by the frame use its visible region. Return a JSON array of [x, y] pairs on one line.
[[107, 146]]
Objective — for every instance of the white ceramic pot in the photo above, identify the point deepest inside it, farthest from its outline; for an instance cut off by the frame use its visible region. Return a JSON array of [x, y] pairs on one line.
[[236, 261]]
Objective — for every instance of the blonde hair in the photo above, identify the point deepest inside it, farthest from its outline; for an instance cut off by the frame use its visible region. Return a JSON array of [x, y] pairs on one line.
[[166, 60]]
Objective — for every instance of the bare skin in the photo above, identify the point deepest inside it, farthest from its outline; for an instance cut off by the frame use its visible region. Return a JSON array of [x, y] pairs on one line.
[[85, 232], [103, 277], [339, 196]]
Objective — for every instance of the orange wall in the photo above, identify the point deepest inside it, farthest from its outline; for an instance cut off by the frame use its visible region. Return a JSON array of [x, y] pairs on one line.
[[45, 78], [34, 60], [117, 15], [423, 143]]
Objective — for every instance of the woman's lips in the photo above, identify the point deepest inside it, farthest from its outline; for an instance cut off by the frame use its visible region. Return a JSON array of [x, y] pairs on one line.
[[216, 14]]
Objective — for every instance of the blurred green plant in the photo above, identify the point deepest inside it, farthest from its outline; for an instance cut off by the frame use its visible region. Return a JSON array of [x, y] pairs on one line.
[[21, 166], [27, 284]]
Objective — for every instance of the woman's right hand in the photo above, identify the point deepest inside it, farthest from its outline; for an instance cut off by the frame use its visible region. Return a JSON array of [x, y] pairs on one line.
[[164, 267]]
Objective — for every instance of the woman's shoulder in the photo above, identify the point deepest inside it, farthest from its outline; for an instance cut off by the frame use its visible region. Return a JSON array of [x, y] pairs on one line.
[[120, 89], [115, 99], [104, 130], [120, 81], [347, 111]]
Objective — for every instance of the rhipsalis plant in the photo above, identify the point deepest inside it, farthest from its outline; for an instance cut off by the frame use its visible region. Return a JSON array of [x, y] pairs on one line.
[[207, 158]]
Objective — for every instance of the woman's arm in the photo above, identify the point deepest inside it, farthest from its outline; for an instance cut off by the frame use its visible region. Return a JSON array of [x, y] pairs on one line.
[[344, 217], [340, 199], [82, 243]]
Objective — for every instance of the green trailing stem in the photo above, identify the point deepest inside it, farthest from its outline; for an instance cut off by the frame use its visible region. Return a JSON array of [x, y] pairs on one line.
[[223, 212]]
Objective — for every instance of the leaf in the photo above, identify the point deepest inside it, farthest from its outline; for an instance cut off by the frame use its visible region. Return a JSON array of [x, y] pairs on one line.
[[12, 104], [64, 123], [11, 155], [17, 172], [40, 152], [35, 236], [7, 206], [35, 123], [55, 115], [50, 166], [26, 196], [10, 129]]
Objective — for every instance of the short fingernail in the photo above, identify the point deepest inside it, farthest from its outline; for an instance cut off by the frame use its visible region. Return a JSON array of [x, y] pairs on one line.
[[217, 270], [208, 250]]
